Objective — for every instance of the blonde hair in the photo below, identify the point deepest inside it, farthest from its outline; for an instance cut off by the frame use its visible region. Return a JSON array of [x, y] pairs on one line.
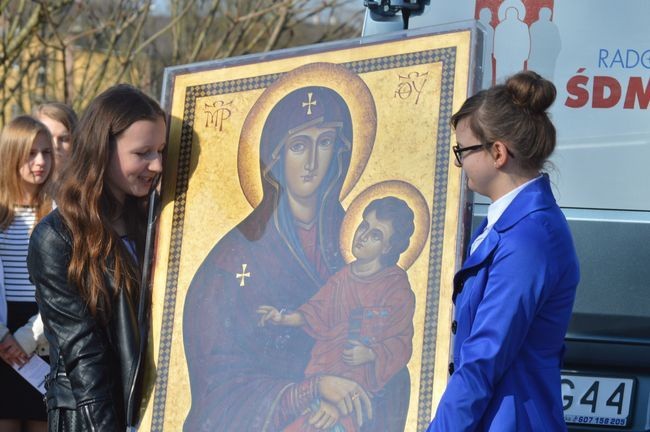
[[16, 142]]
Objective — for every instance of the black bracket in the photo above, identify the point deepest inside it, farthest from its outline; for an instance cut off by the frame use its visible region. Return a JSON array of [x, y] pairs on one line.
[[385, 10]]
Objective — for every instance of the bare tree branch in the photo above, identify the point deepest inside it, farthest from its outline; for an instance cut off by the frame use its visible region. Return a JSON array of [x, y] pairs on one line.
[[70, 50], [282, 20]]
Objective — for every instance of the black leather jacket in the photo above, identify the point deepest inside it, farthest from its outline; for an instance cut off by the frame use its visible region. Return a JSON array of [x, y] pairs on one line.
[[94, 367]]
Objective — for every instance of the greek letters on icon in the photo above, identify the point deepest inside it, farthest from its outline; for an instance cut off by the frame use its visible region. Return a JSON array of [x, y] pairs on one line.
[[413, 83], [217, 113]]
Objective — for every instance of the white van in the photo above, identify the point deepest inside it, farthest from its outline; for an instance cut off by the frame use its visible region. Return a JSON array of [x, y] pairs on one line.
[[597, 52]]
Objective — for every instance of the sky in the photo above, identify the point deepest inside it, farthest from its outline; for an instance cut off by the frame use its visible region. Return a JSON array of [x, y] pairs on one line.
[[162, 6]]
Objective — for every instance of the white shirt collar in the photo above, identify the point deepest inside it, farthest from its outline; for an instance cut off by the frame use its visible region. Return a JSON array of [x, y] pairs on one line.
[[495, 210]]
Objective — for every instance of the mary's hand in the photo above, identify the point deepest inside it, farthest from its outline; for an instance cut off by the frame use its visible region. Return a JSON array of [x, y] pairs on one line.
[[325, 417], [347, 396]]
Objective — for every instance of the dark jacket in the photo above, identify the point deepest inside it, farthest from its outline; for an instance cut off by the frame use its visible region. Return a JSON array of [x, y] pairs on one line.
[[94, 366]]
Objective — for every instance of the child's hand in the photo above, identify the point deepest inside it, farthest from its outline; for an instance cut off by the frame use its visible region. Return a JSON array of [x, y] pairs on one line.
[[325, 417], [358, 354], [269, 313]]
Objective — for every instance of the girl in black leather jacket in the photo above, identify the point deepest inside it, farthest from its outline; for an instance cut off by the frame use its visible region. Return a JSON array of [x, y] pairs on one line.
[[84, 259]]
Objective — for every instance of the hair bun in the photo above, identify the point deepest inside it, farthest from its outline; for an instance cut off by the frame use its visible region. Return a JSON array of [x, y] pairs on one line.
[[529, 90]]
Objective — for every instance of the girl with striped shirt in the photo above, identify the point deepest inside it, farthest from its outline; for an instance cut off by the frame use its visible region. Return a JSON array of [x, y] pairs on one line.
[[27, 163]]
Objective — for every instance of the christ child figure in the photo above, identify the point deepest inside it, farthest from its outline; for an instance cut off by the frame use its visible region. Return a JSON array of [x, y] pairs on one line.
[[362, 318]]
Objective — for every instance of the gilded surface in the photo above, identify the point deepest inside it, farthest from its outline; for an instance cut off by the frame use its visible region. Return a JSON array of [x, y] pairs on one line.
[[401, 148]]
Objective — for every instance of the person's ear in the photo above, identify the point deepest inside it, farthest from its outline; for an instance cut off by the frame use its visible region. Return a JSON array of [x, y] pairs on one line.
[[500, 154]]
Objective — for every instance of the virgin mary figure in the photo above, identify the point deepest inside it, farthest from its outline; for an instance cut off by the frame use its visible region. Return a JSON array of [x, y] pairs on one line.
[[249, 378]]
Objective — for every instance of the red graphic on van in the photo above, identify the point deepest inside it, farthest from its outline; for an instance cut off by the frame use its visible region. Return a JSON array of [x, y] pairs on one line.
[[520, 35]]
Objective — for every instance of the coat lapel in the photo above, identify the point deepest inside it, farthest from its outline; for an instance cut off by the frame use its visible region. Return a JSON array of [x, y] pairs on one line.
[[480, 255]]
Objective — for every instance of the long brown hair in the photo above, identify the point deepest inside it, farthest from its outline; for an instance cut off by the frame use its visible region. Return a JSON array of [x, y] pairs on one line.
[[88, 207], [59, 112], [515, 113], [16, 142]]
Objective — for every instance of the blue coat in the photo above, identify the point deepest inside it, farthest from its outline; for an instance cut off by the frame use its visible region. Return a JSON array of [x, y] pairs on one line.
[[513, 299]]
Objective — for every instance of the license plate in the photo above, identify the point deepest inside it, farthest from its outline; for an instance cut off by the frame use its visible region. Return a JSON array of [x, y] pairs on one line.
[[597, 400]]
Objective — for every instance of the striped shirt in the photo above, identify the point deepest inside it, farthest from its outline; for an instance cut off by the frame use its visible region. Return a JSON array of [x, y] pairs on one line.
[[13, 252]]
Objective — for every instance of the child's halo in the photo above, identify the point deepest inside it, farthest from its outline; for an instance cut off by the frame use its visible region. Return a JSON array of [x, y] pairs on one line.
[[399, 189]]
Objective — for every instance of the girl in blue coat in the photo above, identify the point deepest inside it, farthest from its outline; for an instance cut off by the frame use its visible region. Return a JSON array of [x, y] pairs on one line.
[[514, 294]]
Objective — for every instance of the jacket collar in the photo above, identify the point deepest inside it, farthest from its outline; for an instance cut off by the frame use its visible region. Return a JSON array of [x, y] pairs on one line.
[[534, 197]]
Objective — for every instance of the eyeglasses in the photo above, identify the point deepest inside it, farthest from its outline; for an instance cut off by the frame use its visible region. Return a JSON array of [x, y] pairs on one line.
[[458, 150]]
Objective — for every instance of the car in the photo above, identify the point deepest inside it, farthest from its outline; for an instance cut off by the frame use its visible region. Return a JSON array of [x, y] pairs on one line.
[[605, 376]]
